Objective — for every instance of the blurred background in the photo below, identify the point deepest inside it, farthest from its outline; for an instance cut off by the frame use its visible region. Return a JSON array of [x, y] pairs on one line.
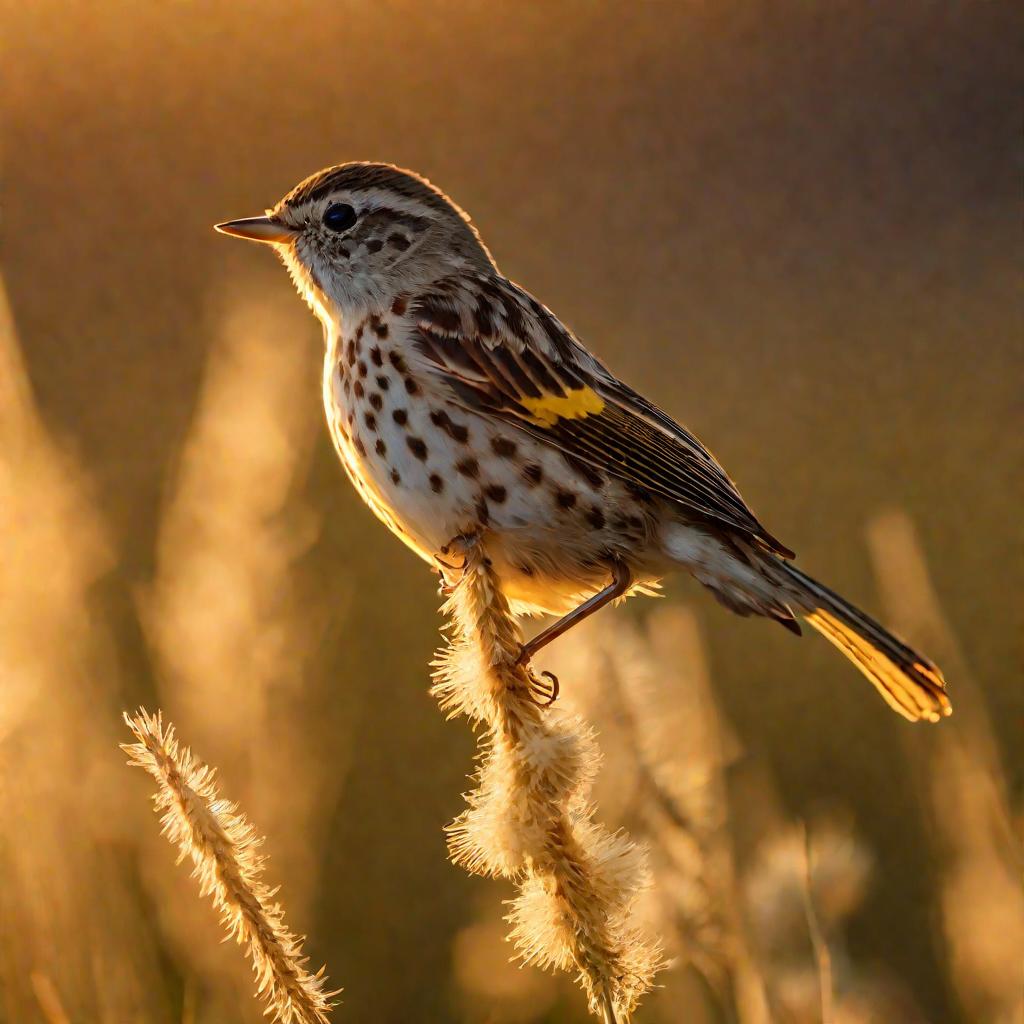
[[794, 225]]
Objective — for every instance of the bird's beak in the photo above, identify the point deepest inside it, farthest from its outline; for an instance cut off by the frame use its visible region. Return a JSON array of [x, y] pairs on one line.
[[258, 229]]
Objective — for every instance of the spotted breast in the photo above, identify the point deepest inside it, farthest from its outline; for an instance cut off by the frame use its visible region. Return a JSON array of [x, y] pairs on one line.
[[432, 470]]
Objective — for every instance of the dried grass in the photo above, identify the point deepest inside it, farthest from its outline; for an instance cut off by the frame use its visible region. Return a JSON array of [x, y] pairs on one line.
[[667, 752], [529, 818], [223, 847], [74, 940], [753, 908], [964, 785]]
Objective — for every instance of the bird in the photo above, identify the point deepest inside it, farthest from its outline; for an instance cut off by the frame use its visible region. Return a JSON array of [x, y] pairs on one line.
[[464, 411]]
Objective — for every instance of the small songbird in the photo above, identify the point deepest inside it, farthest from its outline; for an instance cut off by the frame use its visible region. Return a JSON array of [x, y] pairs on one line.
[[463, 410]]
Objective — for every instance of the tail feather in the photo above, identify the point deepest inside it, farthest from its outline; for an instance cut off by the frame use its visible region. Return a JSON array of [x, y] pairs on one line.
[[908, 682]]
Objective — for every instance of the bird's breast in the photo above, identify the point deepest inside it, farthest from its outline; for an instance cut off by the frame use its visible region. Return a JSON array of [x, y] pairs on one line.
[[384, 418], [432, 471]]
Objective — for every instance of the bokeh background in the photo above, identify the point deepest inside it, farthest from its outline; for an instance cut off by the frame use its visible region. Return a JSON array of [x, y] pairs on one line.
[[795, 225]]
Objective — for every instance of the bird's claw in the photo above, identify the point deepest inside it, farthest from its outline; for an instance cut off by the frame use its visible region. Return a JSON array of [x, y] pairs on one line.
[[450, 570], [544, 688]]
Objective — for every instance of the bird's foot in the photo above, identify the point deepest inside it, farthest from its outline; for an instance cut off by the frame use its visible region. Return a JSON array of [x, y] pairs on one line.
[[544, 688], [450, 561]]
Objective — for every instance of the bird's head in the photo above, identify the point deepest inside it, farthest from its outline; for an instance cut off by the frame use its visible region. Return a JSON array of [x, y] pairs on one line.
[[357, 235]]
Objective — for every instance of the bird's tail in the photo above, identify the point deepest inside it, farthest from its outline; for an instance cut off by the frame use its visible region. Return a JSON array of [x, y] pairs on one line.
[[908, 682]]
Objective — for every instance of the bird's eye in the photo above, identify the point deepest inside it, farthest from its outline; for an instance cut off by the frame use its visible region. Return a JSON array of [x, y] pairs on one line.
[[339, 217]]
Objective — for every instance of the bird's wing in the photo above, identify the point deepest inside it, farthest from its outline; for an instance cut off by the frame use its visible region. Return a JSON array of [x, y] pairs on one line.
[[503, 354]]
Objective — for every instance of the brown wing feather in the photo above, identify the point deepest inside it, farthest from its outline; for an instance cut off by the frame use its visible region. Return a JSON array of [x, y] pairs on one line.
[[501, 352]]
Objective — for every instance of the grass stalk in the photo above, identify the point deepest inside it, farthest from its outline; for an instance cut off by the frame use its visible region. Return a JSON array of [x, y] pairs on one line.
[[529, 818], [223, 847]]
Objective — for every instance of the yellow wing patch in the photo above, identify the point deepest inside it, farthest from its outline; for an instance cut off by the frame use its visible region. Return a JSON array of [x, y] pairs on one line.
[[576, 405]]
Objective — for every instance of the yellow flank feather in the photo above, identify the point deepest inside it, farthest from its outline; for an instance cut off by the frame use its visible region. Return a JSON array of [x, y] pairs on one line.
[[577, 404]]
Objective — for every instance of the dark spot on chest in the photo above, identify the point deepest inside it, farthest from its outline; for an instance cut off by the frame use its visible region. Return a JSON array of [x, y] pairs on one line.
[[359, 446], [380, 447], [504, 447], [483, 515], [418, 447], [411, 386], [370, 420], [398, 306], [376, 401], [397, 361], [362, 368], [468, 467], [374, 245], [378, 327], [533, 474], [456, 431], [400, 416], [495, 493], [375, 357], [400, 242], [396, 477], [436, 483], [359, 389], [565, 499], [383, 383], [350, 352], [596, 518]]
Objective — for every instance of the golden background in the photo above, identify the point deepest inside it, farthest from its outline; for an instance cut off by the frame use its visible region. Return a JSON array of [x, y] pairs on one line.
[[795, 226]]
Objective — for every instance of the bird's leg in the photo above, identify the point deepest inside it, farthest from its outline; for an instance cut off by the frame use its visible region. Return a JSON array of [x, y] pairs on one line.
[[622, 580]]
